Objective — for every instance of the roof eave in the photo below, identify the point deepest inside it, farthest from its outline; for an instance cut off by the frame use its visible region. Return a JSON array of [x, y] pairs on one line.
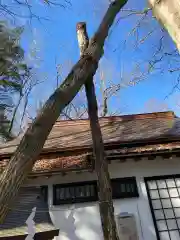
[[164, 139]]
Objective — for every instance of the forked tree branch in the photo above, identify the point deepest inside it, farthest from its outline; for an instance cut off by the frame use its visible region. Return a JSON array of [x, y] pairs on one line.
[[32, 143]]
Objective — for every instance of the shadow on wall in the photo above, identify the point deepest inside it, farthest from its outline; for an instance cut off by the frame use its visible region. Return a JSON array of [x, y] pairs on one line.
[[68, 229], [80, 223]]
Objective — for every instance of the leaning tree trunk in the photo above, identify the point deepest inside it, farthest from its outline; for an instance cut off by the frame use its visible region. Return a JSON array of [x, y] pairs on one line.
[[101, 164], [167, 13], [32, 143]]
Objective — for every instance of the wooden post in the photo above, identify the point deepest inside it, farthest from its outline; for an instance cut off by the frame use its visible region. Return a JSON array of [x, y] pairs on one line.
[[101, 165]]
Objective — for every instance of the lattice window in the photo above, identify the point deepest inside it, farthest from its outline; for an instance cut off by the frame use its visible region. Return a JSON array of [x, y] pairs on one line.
[[75, 192], [124, 188], [88, 191], [164, 199]]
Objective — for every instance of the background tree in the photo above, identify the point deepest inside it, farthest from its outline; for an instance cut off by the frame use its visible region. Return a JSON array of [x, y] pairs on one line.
[[145, 31], [13, 73], [24, 9], [160, 61], [4, 125]]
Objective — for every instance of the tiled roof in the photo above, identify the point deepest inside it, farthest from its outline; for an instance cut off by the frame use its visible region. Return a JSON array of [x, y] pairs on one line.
[[126, 132], [75, 134], [56, 163]]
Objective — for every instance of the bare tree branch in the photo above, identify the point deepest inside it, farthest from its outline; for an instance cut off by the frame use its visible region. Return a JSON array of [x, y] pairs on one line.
[[12, 9]]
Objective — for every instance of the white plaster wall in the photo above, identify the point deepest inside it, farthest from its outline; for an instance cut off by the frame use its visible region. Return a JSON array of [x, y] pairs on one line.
[[82, 221]]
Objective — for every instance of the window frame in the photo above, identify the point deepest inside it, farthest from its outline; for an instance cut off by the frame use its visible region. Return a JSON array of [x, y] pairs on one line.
[[75, 200], [57, 202], [126, 194], [156, 178]]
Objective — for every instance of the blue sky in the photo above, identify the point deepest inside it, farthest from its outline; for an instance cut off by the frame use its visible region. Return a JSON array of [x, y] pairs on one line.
[[55, 41]]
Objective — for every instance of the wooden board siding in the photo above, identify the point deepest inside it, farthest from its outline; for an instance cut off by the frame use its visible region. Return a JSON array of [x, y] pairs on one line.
[[15, 222], [48, 235]]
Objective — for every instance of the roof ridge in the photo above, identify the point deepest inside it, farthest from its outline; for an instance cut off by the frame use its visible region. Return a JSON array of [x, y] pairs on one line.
[[127, 117]]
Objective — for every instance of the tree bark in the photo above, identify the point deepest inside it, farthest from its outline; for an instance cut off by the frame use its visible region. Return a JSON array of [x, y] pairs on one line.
[[101, 165], [168, 14], [32, 142]]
